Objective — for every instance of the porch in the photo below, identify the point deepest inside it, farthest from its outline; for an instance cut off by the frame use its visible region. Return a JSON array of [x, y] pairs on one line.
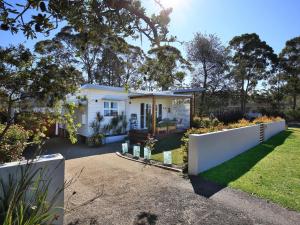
[[159, 113]]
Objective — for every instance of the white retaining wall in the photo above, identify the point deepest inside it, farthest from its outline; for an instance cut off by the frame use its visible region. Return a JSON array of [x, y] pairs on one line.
[[273, 128], [112, 139], [209, 150], [53, 167]]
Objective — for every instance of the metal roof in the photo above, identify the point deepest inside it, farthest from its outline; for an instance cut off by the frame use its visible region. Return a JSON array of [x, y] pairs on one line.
[[158, 94], [188, 90], [102, 87]]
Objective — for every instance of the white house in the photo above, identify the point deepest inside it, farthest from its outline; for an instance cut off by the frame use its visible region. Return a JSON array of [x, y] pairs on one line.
[[136, 107]]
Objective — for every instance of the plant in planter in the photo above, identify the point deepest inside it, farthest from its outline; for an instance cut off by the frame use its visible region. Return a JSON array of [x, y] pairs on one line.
[[150, 144], [17, 208]]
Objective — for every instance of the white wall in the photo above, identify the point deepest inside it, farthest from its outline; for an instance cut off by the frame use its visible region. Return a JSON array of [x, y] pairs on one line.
[[273, 128], [54, 169], [209, 150]]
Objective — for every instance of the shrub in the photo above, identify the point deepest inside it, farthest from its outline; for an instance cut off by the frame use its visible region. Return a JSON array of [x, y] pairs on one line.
[[240, 123], [15, 205], [265, 119], [230, 117], [293, 115], [205, 122], [13, 143]]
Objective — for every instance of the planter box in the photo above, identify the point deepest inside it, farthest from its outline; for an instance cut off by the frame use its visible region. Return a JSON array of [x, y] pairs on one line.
[[54, 169], [112, 139], [211, 149]]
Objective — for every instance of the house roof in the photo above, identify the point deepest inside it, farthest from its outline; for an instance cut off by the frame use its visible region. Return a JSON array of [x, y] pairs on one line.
[[141, 93], [189, 90], [102, 87], [158, 94]]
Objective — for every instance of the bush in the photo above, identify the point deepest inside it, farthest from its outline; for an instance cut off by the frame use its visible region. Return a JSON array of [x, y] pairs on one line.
[[293, 115], [265, 119], [230, 117], [205, 122], [240, 123], [13, 143]]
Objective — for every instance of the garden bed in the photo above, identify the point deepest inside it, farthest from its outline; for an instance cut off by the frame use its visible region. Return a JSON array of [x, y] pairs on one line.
[[151, 162]]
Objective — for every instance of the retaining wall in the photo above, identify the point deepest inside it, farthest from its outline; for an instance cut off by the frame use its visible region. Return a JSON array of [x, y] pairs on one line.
[[209, 150]]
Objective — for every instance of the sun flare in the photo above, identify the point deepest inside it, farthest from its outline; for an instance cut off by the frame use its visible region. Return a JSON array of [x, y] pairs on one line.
[[171, 3]]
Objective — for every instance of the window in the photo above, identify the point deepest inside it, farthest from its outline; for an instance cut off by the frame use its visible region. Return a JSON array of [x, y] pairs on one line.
[[110, 109]]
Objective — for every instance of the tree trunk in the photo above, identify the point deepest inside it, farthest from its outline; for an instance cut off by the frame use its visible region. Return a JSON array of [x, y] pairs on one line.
[[294, 101], [204, 86], [242, 97]]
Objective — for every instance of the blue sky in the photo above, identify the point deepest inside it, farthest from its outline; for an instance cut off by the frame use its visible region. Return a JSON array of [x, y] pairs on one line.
[[275, 21]]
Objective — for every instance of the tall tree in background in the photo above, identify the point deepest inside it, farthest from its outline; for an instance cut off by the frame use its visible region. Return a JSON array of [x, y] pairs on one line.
[[252, 61], [110, 69], [290, 60], [209, 56], [166, 67]]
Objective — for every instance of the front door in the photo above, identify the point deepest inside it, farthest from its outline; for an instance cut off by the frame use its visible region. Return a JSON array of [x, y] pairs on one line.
[[145, 116]]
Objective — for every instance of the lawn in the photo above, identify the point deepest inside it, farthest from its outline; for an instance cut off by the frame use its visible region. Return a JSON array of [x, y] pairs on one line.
[[169, 143], [270, 170]]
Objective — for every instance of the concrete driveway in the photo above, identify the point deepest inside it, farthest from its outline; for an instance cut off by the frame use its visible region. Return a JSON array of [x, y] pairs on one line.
[[107, 189]]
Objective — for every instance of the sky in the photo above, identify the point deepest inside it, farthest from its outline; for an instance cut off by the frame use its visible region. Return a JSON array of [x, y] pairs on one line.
[[275, 21]]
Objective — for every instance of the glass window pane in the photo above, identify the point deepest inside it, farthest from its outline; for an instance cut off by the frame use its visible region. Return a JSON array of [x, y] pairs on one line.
[[106, 113], [106, 105], [114, 105]]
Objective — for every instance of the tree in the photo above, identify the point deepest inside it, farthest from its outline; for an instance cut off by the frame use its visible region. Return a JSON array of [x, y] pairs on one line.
[[110, 69], [166, 67], [252, 61], [209, 56], [276, 91], [290, 61], [28, 82], [122, 17]]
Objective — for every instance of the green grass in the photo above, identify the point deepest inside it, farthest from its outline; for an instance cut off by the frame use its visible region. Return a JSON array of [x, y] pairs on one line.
[[270, 170], [169, 143]]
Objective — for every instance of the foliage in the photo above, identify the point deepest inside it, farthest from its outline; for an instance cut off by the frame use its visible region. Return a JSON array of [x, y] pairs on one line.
[[166, 67], [117, 125], [240, 123], [205, 122], [13, 143], [290, 61], [97, 138], [210, 59], [293, 115], [68, 119], [29, 83], [230, 116], [266, 119], [124, 18], [17, 208], [150, 143], [252, 61]]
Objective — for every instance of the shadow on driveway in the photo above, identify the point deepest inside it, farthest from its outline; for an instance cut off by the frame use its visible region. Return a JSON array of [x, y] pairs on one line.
[[72, 151]]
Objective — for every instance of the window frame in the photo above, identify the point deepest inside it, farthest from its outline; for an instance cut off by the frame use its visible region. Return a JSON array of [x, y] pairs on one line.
[[110, 108]]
